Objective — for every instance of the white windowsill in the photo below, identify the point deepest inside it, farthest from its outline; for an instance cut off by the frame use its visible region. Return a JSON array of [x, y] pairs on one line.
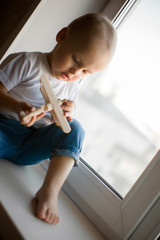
[[18, 186]]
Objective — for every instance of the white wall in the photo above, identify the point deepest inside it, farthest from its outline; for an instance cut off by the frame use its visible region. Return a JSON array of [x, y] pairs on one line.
[[50, 16]]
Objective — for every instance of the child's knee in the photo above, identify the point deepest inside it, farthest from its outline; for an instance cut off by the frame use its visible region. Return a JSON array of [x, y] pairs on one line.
[[77, 129], [69, 144], [73, 139]]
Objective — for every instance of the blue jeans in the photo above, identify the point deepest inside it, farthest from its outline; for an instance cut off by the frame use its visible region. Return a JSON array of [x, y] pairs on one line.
[[28, 145]]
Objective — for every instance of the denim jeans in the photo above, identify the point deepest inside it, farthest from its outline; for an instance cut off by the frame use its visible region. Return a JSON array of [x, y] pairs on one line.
[[28, 145]]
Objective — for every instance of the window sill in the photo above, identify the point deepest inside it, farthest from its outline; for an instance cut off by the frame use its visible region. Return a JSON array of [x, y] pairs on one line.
[[17, 186]]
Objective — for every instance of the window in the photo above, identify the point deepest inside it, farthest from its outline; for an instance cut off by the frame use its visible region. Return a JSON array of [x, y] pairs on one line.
[[121, 103]]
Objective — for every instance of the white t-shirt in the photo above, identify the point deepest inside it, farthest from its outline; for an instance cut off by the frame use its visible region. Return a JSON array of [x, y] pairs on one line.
[[20, 73]]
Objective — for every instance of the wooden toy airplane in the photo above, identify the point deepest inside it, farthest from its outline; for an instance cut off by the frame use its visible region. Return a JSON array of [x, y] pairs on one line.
[[52, 105]]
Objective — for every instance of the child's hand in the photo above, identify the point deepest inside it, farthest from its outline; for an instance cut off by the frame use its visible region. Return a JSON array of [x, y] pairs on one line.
[[24, 109], [68, 109]]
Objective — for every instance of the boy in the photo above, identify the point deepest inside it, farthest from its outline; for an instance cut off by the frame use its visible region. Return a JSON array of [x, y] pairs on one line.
[[84, 47]]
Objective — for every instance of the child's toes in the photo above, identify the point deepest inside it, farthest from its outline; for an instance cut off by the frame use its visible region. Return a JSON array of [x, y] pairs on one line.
[[49, 217], [41, 213], [55, 220]]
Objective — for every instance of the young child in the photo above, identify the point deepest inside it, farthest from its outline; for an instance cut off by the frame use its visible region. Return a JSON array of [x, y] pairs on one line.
[[84, 47]]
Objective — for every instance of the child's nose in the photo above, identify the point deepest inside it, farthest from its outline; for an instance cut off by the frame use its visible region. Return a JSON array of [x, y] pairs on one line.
[[75, 71]]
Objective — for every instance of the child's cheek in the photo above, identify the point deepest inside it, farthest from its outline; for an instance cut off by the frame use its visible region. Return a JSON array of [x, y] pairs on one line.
[[63, 63]]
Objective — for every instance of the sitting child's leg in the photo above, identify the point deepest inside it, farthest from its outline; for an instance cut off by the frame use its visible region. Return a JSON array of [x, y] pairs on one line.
[[32, 146], [65, 154], [43, 143], [47, 196]]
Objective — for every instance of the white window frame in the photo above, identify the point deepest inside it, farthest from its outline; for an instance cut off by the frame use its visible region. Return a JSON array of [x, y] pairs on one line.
[[136, 216]]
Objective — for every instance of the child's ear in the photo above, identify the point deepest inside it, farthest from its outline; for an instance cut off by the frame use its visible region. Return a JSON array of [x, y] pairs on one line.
[[62, 34]]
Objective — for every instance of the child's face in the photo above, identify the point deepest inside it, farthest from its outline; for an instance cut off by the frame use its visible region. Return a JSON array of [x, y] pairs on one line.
[[73, 58]]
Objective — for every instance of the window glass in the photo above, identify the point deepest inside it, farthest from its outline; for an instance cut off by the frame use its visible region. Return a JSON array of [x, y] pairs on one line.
[[119, 107]]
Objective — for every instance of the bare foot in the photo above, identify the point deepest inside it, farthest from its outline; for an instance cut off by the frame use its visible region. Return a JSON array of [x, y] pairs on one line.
[[47, 205]]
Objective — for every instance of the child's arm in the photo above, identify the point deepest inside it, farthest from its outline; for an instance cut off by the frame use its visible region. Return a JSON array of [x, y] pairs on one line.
[[10, 104]]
